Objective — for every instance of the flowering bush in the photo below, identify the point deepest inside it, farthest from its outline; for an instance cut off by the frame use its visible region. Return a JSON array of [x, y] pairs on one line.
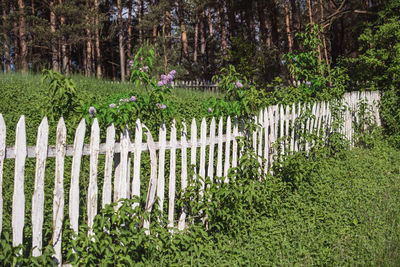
[[152, 108]]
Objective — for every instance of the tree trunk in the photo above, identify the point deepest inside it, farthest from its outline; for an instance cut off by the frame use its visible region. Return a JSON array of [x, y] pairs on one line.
[[196, 38], [121, 41], [323, 38], [288, 30], [88, 44], [154, 27], [140, 12], [22, 37], [251, 28], [263, 24], [210, 25], [202, 33], [6, 39], [129, 38], [222, 27], [65, 60], [54, 50], [167, 35], [231, 19], [309, 3], [181, 18], [97, 36], [272, 21]]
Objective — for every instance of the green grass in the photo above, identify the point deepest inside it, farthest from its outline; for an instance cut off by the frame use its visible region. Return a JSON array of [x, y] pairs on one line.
[[343, 210]]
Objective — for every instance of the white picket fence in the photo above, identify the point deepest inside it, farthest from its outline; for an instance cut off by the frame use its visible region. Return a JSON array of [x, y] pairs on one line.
[[276, 124]]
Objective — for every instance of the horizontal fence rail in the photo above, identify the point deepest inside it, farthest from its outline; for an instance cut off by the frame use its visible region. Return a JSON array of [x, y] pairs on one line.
[[212, 152]]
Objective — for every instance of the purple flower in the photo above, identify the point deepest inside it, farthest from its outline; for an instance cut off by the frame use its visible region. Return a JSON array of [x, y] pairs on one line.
[[131, 63], [160, 83], [238, 84], [132, 99], [308, 83], [92, 112], [170, 77], [172, 72], [161, 106], [112, 105], [295, 58], [209, 110], [163, 77]]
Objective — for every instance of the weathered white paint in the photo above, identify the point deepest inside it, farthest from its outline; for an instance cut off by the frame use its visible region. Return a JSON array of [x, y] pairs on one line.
[[38, 192], [58, 200], [75, 169], [182, 218], [18, 205], [161, 167], [172, 177], [151, 191], [202, 169], [107, 187], [92, 195], [227, 148], [136, 159], [210, 170], [219, 153]]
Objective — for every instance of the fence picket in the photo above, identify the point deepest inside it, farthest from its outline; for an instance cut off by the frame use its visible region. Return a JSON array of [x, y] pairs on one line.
[[193, 147], [107, 187], [234, 143], [172, 176], [202, 170], [227, 148], [182, 218], [255, 135], [219, 153], [266, 140], [260, 138], [210, 171], [281, 130], [2, 157], [18, 205], [75, 169], [161, 166], [58, 201], [151, 191], [292, 125], [287, 121], [137, 159], [92, 189], [38, 193]]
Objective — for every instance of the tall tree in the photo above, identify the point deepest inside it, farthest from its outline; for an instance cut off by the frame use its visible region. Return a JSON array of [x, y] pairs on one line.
[[22, 36], [89, 46], [181, 17], [129, 37], [65, 60], [286, 5], [54, 46], [4, 5], [121, 40], [222, 27], [97, 42]]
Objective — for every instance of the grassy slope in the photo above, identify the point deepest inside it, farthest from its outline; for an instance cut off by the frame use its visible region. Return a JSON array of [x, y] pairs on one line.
[[26, 95], [347, 213]]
